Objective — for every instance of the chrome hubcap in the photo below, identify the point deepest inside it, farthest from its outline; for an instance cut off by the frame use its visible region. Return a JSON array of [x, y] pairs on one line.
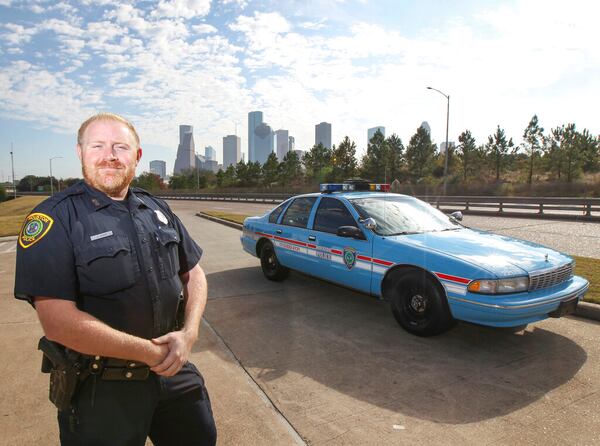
[[418, 303]]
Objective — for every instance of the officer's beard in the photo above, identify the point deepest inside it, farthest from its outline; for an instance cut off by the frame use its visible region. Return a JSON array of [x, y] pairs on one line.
[[113, 185]]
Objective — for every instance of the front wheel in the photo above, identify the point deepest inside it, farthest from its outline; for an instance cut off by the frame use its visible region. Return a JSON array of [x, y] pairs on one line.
[[419, 306], [272, 269]]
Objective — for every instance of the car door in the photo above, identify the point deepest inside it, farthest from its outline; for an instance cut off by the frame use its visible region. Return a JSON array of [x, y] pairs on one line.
[[291, 236], [344, 260]]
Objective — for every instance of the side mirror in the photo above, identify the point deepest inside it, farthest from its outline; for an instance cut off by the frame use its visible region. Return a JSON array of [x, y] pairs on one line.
[[369, 223], [351, 232], [458, 216]]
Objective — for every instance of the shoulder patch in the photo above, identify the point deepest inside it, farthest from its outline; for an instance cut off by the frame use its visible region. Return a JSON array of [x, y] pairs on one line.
[[35, 227]]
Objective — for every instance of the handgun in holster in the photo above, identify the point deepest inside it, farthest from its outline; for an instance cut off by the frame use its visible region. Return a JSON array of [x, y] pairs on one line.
[[64, 366]]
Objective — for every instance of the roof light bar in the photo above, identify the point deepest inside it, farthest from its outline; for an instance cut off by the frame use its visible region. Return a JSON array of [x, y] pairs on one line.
[[328, 188]]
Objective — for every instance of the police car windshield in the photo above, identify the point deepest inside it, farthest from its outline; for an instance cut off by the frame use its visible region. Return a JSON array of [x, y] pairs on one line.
[[397, 215]]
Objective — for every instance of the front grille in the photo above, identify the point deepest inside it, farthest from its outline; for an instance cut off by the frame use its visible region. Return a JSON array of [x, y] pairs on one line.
[[548, 278]]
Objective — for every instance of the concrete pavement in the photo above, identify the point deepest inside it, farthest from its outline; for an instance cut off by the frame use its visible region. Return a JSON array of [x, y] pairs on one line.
[[306, 361]]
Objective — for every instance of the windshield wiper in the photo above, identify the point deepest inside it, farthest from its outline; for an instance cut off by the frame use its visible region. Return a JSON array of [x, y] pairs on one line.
[[405, 233]]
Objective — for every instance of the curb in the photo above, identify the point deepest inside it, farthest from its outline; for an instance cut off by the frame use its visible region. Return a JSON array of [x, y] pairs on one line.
[[231, 224], [585, 310], [588, 310], [9, 238]]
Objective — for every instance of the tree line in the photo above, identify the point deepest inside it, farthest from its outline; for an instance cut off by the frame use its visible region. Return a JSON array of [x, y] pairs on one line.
[[563, 153]]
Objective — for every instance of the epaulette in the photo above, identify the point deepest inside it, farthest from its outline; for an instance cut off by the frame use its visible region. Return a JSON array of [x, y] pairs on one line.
[[57, 198], [139, 190]]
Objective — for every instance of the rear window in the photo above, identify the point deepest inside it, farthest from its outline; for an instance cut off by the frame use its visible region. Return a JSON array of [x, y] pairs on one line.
[[275, 213]]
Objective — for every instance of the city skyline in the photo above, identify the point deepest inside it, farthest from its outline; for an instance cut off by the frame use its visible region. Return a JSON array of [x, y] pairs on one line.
[[350, 63]]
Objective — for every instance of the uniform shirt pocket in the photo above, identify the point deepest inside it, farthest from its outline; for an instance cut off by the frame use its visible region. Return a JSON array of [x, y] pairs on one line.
[[167, 240], [106, 266]]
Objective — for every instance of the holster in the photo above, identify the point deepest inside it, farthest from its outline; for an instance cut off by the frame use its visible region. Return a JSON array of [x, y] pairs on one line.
[[65, 370]]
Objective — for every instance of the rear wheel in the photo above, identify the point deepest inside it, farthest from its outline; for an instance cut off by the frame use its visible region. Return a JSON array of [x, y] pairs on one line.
[[272, 269], [419, 306]]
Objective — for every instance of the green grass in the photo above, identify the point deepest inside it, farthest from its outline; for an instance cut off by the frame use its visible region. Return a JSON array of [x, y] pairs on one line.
[[13, 212], [585, 266], [236, 218], [590, 269]]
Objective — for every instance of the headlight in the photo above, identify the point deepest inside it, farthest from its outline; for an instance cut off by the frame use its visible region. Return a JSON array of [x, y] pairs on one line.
[[499, 286]]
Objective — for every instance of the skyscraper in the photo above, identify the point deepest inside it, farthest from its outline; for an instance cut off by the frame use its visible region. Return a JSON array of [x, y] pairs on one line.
[[255, 118], [186, 151], [283, 143], [371, 132], [263, 142], [292, 143], [232, 150], [210, 154], [425, 125], [323, 134], [159, 168]]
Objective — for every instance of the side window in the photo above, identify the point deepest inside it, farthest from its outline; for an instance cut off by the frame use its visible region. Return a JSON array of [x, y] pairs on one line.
[[275, 213], [332, 214], [298, 212]]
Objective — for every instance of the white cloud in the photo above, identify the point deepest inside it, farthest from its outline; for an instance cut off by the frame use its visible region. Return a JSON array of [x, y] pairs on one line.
[[314, 26], [204, 28], [239, 3], [36, 9], [182, 8], [5, 2]]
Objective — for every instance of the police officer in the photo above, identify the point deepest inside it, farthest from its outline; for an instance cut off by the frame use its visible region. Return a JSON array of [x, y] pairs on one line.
[[106, 267]]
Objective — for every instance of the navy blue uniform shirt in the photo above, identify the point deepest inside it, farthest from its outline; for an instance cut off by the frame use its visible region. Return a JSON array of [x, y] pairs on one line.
[[119, 261]]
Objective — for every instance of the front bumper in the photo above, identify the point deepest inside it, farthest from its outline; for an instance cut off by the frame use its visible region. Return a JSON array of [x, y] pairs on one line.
[[516, 309]]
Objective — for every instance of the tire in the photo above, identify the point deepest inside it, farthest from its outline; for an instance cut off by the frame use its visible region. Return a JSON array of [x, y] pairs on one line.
[[271, 268], [419, 306]]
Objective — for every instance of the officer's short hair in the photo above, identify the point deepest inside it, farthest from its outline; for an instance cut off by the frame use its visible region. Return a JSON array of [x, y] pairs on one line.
[[106, 116]]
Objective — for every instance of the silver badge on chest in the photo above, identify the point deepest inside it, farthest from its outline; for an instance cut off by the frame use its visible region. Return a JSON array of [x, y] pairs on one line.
[[161, 217]]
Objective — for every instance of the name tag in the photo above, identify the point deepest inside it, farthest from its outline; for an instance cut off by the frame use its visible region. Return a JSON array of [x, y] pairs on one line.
[[99, 236]]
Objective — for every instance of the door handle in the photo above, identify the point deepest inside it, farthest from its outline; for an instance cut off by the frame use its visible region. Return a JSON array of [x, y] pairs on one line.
[[278, 231], [312, 238]]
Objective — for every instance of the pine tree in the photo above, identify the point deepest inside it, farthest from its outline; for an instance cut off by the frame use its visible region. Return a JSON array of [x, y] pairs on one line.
[[419, 154], [497, 150], [290, 169], [316, 161], [467, 153], [532, 135], [270, 170], [343, 160]]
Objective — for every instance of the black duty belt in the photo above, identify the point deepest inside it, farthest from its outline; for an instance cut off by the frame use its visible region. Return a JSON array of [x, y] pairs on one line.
[[113, 369]]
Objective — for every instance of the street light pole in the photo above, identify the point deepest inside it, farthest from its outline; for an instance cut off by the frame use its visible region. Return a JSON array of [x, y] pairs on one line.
[[12, 165], [51, 184], [447, 96]]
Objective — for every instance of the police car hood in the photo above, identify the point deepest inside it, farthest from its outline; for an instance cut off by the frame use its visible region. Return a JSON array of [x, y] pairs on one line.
[[498, 254]]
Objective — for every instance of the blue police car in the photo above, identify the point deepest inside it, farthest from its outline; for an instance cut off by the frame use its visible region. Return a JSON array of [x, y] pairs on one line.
[[431, 268]]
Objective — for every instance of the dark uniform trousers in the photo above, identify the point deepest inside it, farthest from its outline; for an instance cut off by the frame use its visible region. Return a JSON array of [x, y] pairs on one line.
[[170, 410]]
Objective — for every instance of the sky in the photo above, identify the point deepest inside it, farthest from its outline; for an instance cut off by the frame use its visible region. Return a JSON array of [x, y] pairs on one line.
[[353, 63]]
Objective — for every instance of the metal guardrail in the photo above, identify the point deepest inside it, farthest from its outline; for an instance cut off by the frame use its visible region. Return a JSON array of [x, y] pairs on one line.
[[566, 208], [540, 207]]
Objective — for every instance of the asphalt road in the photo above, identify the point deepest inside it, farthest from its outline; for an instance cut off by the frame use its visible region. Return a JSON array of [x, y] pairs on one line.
[[304, 360]]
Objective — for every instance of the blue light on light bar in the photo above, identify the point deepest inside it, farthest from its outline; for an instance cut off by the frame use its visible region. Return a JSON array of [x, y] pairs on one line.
[[335, 187]]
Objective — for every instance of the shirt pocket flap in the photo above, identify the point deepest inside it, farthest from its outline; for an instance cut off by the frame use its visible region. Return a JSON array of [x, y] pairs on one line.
[[91, 253], [166, 236]]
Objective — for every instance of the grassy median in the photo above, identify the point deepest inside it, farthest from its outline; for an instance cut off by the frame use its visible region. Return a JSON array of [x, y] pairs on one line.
[[13, 212], [585, 266]]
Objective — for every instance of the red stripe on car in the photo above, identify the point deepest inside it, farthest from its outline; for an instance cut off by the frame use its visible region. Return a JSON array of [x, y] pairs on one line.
[[295, 242], [453, 278], [264, 235]]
